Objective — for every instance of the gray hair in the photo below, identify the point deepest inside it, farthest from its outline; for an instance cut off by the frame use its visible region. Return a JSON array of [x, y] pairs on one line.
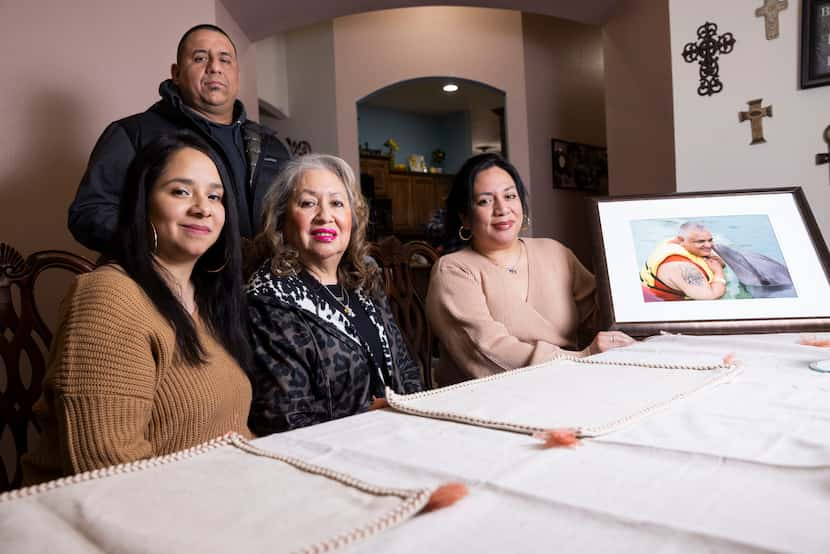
[[690, 227], [284, 257]]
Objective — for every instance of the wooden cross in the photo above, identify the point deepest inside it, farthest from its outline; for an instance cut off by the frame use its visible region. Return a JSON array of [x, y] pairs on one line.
[[824, 158], [769, 11], [754, 114]]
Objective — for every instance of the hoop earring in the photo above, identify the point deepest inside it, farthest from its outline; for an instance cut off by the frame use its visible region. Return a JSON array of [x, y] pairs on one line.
[[155, 238], [461, 234], [220, 268]]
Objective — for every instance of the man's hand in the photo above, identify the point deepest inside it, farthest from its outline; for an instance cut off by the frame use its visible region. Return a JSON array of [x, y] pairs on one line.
[[716, 263]]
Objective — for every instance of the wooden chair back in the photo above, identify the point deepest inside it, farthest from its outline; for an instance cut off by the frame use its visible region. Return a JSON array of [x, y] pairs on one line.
[[23, 334], [406, 268]]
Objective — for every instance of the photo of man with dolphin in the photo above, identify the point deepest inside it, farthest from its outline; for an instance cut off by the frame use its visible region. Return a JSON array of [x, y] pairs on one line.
[[710, 258]]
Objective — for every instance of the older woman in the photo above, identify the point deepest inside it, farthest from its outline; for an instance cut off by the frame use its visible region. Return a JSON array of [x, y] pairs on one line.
[[504, 302], [325, 342], [147, 359]]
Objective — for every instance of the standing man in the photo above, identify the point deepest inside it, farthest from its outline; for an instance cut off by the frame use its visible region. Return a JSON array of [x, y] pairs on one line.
[[684, 267], [201, 96]]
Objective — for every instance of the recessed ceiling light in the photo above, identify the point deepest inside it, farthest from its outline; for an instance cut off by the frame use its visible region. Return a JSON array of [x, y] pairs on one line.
[[450, 87]]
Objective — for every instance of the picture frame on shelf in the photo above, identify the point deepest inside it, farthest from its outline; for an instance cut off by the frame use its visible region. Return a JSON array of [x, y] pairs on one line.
[[578, 166], [776, 265], [417, 164], [815, 43]]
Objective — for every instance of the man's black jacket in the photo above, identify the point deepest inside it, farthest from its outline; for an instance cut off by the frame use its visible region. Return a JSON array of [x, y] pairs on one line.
[[93, 215]]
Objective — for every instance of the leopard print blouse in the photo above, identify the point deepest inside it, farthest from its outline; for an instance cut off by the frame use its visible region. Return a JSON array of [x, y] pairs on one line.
[[310, 364]]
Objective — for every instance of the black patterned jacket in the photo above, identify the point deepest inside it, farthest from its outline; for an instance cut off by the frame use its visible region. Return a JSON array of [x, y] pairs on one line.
[[307, 367]]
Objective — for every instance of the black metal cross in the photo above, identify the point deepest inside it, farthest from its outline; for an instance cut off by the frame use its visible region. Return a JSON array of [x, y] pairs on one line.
[[709, 44]]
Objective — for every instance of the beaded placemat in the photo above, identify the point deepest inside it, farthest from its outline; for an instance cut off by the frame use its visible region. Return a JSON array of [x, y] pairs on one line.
[[592, 396], [224, 495]]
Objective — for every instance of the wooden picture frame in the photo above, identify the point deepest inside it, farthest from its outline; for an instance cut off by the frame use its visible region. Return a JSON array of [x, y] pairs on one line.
[[578, 166], [779, 280], [815, 43]]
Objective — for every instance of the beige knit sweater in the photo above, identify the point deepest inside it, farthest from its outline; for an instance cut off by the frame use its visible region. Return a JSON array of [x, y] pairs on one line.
[[485, 326], [116, 392]]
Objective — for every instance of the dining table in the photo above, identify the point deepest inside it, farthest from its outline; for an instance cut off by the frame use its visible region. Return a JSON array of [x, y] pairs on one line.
[[734, 464]]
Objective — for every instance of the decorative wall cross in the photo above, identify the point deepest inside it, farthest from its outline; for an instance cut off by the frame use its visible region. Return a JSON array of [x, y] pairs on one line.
[[822, 157], [709, 44], [755, 114], [769, 11]]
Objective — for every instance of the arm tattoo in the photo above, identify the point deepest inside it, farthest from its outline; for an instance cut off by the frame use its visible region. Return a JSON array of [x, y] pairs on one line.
[[692, 276]]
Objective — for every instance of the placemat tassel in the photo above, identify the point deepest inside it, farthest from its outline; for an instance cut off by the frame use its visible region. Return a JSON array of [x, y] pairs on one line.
[[557, 437], [445, 495]]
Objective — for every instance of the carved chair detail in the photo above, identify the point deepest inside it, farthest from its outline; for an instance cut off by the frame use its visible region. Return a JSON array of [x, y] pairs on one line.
[[24, 336], [405, 268]]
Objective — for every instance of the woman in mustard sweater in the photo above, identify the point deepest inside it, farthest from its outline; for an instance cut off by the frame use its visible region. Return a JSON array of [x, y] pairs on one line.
[[504, 302], [148, 358]]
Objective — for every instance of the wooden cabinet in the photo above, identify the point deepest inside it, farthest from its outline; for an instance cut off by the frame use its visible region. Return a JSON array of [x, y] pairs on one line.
[[378, 168], [414, 197], [400, 192]]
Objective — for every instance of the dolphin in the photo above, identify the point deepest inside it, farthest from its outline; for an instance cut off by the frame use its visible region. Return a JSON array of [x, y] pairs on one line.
[[762, 276]]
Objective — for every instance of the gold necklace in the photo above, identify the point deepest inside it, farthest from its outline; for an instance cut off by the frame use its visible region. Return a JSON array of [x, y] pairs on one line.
[[344, 305]]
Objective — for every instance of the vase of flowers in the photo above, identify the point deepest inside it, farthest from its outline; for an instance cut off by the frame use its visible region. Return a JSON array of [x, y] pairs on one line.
[[438, 157], [393, 147]]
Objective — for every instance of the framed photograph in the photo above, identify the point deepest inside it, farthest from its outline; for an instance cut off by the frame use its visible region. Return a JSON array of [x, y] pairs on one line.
[[416, 163], [579, 166], [815, 43], [750, 261]]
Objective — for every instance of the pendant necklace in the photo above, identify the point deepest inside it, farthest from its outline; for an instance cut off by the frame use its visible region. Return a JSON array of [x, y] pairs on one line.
[[514, 267], [344, 305]]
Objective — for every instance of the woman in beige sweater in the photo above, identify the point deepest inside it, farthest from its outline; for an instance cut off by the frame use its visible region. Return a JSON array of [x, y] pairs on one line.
[[149, 353], [503, 302]]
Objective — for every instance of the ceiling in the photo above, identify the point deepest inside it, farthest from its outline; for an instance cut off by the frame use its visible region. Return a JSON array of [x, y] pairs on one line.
[[262, 18], [426, 97]]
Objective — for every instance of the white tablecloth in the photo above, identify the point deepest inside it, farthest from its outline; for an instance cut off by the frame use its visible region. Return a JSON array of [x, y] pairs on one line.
[[740, 467]]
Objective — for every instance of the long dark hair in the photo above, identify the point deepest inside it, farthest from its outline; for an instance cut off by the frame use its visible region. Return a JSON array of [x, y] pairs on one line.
[[218, 294], [460, 198]]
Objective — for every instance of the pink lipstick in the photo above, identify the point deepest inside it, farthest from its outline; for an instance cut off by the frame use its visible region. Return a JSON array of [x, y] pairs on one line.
[[324, 235]]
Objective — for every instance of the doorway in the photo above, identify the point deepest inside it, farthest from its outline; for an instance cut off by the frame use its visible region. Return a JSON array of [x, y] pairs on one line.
[[414, 135]]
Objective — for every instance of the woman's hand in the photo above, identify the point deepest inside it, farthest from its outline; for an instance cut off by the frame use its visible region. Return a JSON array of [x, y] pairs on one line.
[[378, 403], [606, 340]]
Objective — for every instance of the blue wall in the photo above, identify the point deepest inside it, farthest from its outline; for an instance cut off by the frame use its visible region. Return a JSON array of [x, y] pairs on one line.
[[416, 133]]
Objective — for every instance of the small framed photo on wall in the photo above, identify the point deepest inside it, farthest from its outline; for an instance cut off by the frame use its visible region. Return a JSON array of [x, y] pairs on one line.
[[815, 43], [579, 166]]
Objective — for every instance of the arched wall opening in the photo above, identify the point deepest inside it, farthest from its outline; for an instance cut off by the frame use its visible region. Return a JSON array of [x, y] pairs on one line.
[[414, 135]]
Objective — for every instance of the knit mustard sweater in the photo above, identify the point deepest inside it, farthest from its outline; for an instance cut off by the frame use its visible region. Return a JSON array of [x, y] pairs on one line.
[[116, 392]]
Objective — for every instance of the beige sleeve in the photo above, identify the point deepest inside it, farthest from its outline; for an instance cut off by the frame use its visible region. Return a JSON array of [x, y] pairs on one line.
[[478, 344], [104, 376], [585, 297]]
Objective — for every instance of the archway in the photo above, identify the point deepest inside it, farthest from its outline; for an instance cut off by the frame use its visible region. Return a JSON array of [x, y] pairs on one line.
[[413, 135]]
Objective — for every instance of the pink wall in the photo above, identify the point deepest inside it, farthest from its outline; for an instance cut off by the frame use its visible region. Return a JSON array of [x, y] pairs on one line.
[[565, 100], [77, 67], [247, 60], [638, 99], [376, 49], [70, 69], [260, 18]]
